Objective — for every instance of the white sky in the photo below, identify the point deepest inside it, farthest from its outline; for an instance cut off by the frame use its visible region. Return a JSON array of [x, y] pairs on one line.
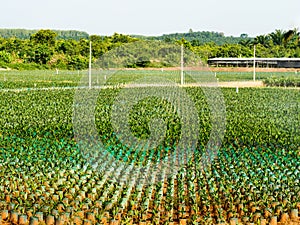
[[155, 17]]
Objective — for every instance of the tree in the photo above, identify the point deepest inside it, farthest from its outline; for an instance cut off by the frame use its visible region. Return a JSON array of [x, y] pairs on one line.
[[277, 37], [13, 45], [100, 45], [291, 38], [77, 62], [5, 57], [96, 38], [244, 36], [233, 50], [46, 37], [68, 47], [185, 43], [246, 42], [121, 38], [264, 40], [40, 54]]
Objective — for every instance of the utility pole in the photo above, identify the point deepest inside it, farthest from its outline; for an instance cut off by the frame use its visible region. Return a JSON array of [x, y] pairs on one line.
[[90, 66], [181, 62], [254, 72]]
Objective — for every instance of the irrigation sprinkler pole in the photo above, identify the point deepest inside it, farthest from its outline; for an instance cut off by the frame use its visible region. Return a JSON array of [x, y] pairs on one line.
[[254, 72], [90, 66], [181, 62]]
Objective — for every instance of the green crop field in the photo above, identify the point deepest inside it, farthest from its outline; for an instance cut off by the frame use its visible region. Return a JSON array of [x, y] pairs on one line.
[[50, 78], [46, 177], [240, 76], [38, 78]]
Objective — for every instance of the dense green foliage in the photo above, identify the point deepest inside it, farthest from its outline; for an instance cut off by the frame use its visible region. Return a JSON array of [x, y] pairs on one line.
[[70, 49], [211, 44], [282, 81], [198, 38], [26, 34], [45, 50]]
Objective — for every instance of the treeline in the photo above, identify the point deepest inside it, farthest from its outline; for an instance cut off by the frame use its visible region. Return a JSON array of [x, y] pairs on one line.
[[26, 34], [276, 44], [43, 50], [198, 38], [46, 49]]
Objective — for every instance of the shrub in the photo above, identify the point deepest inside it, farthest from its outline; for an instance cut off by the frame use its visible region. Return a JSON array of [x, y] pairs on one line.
[[282, 82]]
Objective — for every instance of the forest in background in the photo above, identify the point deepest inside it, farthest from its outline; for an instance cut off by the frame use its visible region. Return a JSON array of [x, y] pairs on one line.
[[26, 34], [49, 49], [198, 37]]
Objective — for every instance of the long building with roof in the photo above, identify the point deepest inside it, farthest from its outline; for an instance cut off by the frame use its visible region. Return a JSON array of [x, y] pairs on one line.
[[259, 62]]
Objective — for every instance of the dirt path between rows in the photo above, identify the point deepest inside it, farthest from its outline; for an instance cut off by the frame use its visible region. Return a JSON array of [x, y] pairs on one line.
[[241, 84]]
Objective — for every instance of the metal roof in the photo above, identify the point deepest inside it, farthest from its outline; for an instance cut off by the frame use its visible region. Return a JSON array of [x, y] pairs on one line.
[[262, 59]]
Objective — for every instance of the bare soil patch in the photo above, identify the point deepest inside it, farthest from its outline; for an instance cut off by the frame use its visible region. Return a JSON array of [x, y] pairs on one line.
[[241, 84]]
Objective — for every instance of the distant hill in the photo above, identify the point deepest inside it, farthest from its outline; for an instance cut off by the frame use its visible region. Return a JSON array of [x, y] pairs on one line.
[[25, 34], [197, 38]]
